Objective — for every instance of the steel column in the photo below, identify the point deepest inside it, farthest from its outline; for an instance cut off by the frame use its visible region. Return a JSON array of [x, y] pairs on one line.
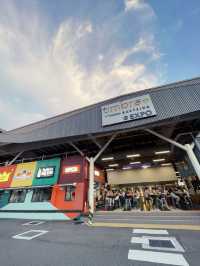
[[193, 159]]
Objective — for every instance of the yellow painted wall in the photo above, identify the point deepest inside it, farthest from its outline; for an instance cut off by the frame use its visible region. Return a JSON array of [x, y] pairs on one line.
[[23, 175]]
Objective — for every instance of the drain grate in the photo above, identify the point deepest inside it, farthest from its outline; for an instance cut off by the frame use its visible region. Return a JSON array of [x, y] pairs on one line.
[[161, 243]]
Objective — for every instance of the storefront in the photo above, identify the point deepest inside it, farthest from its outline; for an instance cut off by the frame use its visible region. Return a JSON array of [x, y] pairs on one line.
[[57, 168]]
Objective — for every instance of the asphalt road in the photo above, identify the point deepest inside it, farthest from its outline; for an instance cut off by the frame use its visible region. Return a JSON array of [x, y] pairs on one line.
[[71, 244]]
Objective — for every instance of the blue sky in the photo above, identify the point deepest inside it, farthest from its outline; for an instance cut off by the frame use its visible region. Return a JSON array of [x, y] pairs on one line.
[[57, 56]]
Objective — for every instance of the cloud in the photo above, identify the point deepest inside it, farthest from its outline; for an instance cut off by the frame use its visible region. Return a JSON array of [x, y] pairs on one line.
[[132, 4], [44, 72]]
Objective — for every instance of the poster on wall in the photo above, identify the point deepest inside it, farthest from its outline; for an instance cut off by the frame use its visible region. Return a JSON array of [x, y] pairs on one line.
[[128, 110], [23, 174]]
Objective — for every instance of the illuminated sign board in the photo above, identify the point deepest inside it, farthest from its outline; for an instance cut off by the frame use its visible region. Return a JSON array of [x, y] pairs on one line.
[[127, 110], [45, 172], [75, 169]]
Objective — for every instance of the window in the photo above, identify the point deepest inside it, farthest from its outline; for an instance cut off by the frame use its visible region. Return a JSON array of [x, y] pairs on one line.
[[45, 172], [1, 195], [18, 196], [70, 193], [41, 194]]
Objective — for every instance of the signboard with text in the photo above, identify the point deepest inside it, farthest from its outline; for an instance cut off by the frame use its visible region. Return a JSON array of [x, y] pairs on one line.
[[128, 110]]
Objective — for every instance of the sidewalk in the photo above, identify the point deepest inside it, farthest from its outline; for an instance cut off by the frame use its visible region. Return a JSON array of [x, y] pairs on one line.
[[175, 219]]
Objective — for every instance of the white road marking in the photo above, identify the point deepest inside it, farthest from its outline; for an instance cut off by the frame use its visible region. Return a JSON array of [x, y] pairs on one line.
[[157, 257], [26, 237], [150, 232], [177, 247], [139, 240], [34, 223]]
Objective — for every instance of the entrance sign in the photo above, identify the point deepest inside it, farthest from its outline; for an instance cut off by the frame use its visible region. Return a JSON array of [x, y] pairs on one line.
[[127, 110], [72, 169]]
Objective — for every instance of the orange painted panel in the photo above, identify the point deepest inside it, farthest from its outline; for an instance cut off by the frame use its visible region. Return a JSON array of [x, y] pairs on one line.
[[58, 198]]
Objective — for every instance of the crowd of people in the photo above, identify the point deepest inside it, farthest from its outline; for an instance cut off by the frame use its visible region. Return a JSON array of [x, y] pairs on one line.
[[144, 198]]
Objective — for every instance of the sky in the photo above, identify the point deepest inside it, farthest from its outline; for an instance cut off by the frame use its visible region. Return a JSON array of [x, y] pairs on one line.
[[57, 56]]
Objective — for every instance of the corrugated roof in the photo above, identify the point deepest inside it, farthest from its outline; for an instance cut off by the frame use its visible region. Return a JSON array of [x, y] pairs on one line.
[[170, 101]]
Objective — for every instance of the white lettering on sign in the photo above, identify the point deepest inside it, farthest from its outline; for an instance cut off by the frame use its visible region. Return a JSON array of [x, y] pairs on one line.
[[127, 110], [72, 169], [45, 172]]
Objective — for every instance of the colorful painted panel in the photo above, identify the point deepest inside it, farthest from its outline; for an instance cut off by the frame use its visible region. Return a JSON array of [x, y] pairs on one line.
[[6, 175], [73, 169], [23, 175], [47, 172]]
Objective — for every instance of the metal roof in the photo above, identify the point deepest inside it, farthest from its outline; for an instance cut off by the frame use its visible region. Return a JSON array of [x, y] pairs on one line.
[[176, 101], [175, 104]]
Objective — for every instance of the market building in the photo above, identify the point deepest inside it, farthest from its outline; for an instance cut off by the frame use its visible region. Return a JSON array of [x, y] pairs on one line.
[[58, 167]]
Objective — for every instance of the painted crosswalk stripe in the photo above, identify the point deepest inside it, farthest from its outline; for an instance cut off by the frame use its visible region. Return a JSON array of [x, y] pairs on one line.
[[157, 257], [150, 232]]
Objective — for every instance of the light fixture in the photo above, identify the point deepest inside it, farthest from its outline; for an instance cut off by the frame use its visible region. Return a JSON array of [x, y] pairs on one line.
[[135, 162], [158, 160], [162, 152], [166, 164], [96, 173], [109, 169], [145, 166], [107, 158], [133, 155], [126, 168], [113, 165]]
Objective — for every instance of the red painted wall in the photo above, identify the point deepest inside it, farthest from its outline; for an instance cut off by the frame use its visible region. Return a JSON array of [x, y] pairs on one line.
[[9, 171], [72, 177]]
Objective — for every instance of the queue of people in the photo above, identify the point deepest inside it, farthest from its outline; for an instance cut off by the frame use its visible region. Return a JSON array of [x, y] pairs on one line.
[[144, 198]]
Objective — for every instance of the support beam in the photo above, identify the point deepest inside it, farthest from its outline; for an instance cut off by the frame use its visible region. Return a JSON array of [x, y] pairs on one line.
[[188, 148], [182, 147], [78, 150], [104, 147], [194, 161], [91, 186], [15, 158], [95, 141], [92, 160]]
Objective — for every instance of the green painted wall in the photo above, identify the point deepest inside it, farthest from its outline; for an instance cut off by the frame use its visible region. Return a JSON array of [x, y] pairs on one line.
[[4, 198], [49, 180]]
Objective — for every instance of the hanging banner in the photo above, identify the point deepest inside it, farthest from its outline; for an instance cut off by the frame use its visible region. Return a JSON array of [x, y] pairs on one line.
[[128, 110]]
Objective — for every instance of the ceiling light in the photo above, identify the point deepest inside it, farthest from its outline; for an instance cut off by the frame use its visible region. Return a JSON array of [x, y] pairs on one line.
[[162, 152], [166, 164], [126, 168], [133, 155], [135, 162], [113, 165], [109, 169], [107, 158], [158, 160], [145, 166]]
